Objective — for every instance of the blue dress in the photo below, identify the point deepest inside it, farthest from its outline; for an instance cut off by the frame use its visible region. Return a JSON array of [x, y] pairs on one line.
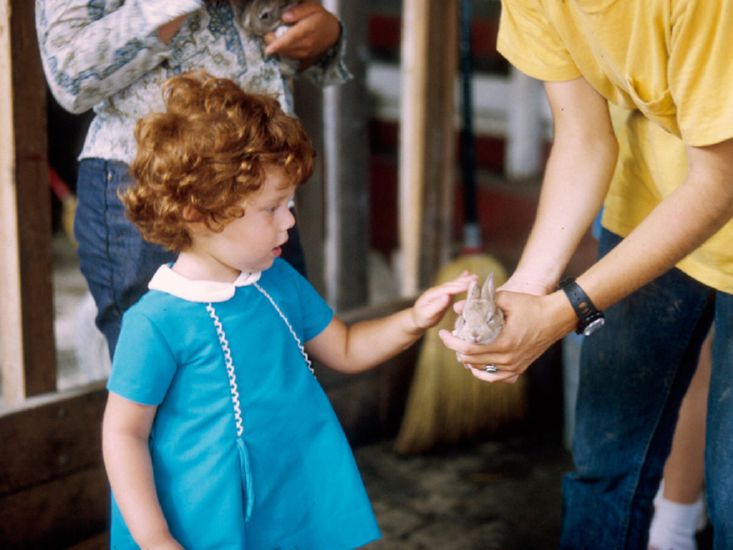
[[296, 485]]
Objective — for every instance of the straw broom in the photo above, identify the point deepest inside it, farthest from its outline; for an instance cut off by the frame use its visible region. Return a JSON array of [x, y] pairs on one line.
[[445, 404]]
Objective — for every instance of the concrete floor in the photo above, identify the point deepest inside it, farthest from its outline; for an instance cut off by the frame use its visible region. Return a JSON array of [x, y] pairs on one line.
[[499, 494]]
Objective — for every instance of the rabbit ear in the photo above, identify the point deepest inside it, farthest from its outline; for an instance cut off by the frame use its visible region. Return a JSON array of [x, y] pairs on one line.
[[473, 292], [488, 291]]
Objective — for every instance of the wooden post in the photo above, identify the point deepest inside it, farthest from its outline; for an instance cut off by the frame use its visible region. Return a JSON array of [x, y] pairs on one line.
[[26, 299], [439, 198], [310, 197], [346, 169], [428, 65]]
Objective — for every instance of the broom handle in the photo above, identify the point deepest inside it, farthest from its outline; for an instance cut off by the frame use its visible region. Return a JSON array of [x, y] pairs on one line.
[[471, 233]]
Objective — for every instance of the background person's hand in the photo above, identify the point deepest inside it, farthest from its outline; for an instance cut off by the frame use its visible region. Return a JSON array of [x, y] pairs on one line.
[[313, 31]]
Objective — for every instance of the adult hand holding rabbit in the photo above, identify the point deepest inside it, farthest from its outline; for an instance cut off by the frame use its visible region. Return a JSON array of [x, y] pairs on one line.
[[313, 31], [531, 325]]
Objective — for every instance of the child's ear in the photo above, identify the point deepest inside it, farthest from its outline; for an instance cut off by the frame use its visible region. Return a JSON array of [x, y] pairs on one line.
[[191, 214]]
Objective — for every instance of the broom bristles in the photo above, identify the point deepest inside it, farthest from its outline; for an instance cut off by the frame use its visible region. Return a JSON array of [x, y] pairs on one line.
[[445, 404]]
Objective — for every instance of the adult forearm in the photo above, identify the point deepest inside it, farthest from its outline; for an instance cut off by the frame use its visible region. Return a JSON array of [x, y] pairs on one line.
[[679, 224], [576, 180], [89, 56]]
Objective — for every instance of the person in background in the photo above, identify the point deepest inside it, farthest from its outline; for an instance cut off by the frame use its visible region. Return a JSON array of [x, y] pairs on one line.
[[679, 508], [216, 433], [666, 271], [113, 56]]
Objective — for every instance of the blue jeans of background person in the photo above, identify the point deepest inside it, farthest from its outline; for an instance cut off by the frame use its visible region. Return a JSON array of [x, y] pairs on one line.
[[633, 375], [114, 259]]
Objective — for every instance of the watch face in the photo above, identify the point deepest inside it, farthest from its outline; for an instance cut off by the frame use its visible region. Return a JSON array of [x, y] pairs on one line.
[[593, 326]]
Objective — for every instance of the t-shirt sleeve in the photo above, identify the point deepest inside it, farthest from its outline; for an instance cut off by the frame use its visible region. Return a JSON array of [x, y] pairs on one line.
[[143, 364], [701, 71], [529, 42]]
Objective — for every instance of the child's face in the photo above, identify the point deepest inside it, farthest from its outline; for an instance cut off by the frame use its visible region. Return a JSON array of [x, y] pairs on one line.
[[252, 242]]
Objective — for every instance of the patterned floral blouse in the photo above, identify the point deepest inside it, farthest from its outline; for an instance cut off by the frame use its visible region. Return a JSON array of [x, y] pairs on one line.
[[106, 55]]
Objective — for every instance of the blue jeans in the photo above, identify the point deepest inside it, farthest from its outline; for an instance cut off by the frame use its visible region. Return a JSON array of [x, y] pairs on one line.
[[633, 375], [114, 259]]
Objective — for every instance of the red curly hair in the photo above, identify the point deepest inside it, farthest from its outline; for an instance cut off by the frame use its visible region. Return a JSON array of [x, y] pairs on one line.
[[206, 153]]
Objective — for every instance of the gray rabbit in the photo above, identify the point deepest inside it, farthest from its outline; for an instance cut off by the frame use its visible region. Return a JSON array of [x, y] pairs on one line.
[[481, 320], [263, 16]]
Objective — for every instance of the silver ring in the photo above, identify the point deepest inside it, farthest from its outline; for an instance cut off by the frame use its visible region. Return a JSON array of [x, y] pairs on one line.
[[490, 368]]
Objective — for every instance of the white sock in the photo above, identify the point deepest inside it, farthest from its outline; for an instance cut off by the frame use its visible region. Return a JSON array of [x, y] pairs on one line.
[[673, 526]]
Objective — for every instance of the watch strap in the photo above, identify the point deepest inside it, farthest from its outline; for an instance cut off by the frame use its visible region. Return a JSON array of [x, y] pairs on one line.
[[584, 308]]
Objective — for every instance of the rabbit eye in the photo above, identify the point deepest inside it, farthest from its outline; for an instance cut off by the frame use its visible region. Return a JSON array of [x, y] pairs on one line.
[[265, 15]]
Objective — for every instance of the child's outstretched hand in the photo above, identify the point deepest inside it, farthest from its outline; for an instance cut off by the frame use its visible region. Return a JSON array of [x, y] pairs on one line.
[[432, 304]]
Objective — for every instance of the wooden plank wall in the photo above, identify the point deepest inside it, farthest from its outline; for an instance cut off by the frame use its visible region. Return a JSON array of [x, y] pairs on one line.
[[346, 199], [53, 490], [28, 353]]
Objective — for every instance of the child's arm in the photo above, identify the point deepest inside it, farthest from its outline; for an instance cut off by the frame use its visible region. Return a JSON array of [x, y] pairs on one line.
[[366, 344], [125, 432]]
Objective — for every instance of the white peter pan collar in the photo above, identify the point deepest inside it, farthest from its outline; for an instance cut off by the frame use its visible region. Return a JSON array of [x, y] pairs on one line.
[[167, 280]]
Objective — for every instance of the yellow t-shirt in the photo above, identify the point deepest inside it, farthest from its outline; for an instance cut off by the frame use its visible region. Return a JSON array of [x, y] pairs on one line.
[[666, 68]]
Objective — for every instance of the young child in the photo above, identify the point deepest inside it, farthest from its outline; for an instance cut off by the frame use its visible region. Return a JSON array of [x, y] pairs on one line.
[[216, 432]]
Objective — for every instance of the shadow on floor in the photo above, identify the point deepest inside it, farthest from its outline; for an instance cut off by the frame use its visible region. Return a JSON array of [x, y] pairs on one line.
[[502, 494]]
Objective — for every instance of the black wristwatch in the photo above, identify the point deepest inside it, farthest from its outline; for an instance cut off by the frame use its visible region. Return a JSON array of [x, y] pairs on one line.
[[589, 318]]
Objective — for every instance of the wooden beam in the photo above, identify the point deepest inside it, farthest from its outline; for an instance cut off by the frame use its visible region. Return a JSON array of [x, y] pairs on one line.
[[428, 65], [309, 197], [413, 120], [50, 436], [53, 491], [346, 168], [56, 514], [437, 229], [28, 357], [11, 346]]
